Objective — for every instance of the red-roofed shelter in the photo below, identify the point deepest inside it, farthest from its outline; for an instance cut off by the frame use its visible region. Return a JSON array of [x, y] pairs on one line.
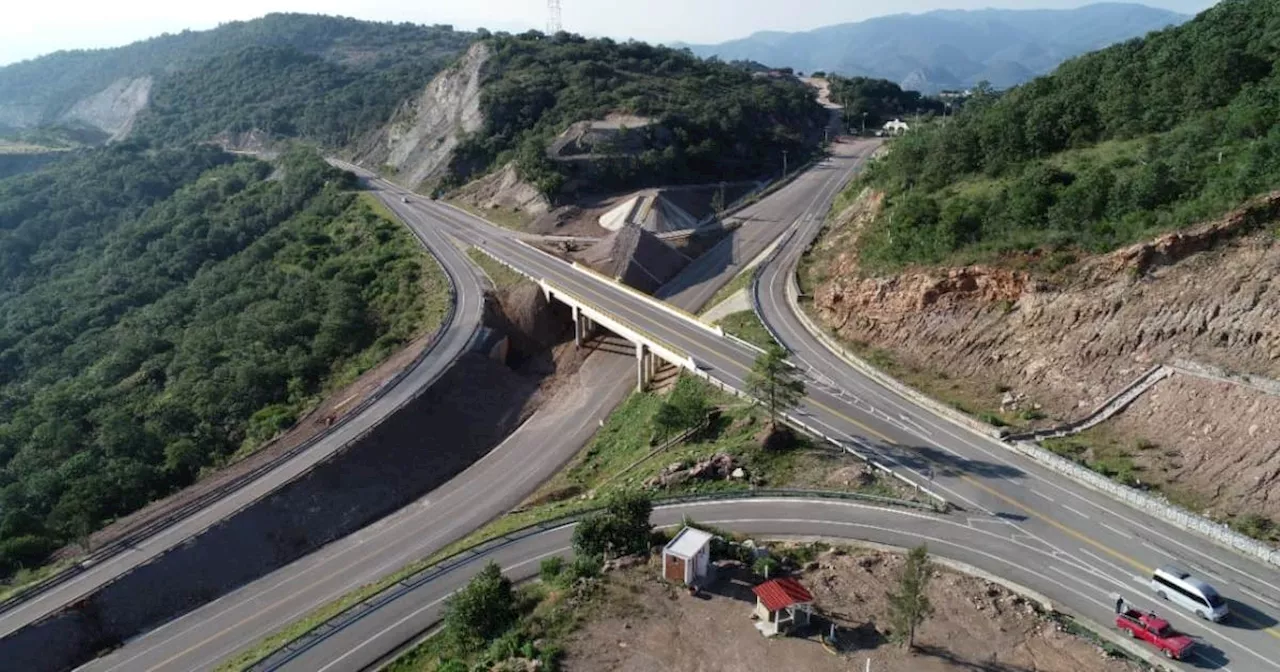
[[781, 605]]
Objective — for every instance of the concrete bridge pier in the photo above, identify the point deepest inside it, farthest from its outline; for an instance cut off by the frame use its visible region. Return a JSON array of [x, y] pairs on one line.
[[577, 327], [643, 356]]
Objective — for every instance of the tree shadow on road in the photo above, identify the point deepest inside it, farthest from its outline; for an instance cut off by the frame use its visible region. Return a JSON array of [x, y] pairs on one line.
[[940, 463]]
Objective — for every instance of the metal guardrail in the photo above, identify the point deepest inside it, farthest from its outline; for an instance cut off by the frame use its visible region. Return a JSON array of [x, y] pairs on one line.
[[137, 536], [291, 650]]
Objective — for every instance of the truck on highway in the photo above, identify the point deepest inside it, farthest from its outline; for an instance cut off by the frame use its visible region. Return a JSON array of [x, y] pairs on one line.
[[1148, 627]]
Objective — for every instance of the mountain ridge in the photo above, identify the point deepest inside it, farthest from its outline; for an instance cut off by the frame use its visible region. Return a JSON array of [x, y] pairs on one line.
[[1004, 46]]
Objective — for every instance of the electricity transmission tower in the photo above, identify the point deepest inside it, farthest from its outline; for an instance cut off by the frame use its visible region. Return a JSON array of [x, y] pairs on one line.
[[553, 17]]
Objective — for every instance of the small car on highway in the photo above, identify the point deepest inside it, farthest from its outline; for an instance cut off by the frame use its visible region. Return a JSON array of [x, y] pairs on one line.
[[1150, 628], [1178, 586]]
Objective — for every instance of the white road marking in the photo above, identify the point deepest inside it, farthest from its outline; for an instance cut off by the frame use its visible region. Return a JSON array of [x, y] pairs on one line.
[[1064, 506], [1256, 596], [414, 614], [1123, 533], [1161, 551]]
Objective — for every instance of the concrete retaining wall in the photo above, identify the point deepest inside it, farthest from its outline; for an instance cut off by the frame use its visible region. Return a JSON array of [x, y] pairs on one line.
[[1116, 403], [435, 437], [1210, 372]]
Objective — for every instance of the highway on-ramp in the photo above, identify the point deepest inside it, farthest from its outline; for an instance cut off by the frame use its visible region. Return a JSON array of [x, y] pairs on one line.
[[448, 345]]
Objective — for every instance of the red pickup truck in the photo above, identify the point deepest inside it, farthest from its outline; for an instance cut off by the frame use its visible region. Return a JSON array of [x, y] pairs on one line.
[[1147, 626]]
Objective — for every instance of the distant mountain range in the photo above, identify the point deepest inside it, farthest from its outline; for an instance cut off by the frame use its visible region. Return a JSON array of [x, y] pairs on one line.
[[949, 49]]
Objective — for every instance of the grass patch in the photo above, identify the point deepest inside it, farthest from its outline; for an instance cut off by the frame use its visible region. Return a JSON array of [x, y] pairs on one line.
[[1099, 452], [507, 218], [739, 282], [982, 402], [747, 326], [1256, 526], [548, 611], [501, 276], [24, 578]]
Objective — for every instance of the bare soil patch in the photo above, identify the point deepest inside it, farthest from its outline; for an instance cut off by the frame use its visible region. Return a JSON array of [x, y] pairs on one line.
[[646, 624]]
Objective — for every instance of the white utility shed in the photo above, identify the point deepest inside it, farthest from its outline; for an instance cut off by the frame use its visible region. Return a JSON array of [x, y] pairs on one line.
[[687, 557]]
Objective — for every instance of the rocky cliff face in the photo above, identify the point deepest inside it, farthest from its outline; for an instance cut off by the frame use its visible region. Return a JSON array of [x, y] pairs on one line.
[[113, 109], [1071, 341], [419, 141]]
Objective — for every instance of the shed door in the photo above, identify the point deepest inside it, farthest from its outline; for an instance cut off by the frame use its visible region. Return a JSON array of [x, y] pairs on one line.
[[673, 569]]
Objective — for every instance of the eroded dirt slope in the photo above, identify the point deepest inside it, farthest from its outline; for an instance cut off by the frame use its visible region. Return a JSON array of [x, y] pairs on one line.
[[1069, 340]]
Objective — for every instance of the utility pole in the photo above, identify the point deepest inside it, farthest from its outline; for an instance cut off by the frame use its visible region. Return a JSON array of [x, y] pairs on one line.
[[864, 123], [553, 17], [784, 163]]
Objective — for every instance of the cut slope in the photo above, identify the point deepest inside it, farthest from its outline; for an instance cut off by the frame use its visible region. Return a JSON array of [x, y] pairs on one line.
[[1071, 340], [418, 144]]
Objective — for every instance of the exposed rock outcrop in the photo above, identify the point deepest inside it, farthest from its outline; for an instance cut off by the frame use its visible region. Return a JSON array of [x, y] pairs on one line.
[[504, 189], [419, 141], [114, 109]]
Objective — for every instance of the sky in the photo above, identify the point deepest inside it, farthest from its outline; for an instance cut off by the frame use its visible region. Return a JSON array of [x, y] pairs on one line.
[[30, 28]]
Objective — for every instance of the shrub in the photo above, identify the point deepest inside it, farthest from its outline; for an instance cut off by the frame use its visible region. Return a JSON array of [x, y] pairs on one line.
[[551, 569], [481, 611]]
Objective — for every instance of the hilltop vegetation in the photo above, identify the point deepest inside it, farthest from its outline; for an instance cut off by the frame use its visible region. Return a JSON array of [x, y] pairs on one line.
[[164, 309], [717, 120], [292, 74], [1143, 137], [879, 99]]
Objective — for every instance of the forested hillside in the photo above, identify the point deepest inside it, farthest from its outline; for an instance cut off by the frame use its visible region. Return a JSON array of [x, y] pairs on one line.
[[879, 100], [166, 308], [716, 120], [1143, 137], [335, 72]]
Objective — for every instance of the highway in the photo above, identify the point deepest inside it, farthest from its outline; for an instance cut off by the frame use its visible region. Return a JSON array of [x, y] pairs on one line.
[[1084, 546], [1074, 545], [451, 343], [497, 483]]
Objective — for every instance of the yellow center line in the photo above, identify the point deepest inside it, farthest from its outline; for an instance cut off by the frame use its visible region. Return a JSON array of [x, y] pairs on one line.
[[1069, 531]]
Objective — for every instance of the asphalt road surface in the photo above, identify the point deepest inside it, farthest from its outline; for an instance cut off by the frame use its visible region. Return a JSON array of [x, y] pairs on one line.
[[494, 485], [1100, 546], [452, 343]]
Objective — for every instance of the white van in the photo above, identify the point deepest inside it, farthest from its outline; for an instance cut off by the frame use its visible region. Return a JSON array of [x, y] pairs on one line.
[[1179, 587]]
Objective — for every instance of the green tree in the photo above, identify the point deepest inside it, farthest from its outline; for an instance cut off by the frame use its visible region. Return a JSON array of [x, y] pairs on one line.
[[909, 606], [481, 611], [622, 528], [685, 406], [775, 383], [668, 420]]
